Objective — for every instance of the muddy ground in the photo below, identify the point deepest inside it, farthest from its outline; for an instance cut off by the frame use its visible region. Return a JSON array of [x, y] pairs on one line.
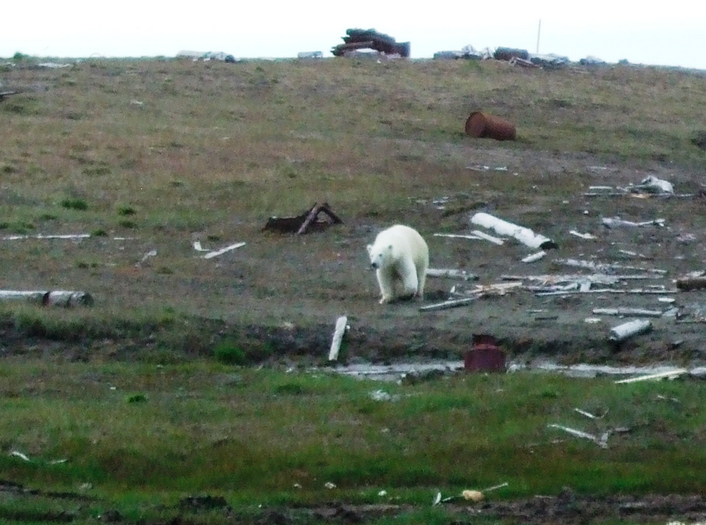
[[282, 293], [300, 284], [566, 508]]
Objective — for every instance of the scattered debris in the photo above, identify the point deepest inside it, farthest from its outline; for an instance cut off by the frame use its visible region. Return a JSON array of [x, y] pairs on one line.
[[617, 222], [468, 495], [524, 235], [457, 236], [588, 414], [341, 327], [216, 253], [479, 167], [4, 94], [586, 236], [207, 56], [381, 395], [53, 65], [451, 274], [71, 237], [480, 125], [622, 332], [671, 374], [488, 238], [357, 39], [145, 257], [451, 303], [18, 454], [534, 257], [642, 312], [549, 61], [53, 298], [310, 54], [508, 53], [610, 268], [305, 222], [652, 184], [600, 441]]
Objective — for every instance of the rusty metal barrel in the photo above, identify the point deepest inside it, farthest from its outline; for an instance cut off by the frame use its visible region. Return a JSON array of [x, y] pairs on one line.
[[480, 125]]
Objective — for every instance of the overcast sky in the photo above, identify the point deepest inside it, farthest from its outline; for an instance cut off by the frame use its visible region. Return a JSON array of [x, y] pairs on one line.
[[661, 33]]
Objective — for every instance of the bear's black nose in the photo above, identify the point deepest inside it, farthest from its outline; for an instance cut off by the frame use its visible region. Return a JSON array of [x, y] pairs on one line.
[[374, 265]]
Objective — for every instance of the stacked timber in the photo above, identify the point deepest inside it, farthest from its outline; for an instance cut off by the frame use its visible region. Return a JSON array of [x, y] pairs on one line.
[[356, 39]]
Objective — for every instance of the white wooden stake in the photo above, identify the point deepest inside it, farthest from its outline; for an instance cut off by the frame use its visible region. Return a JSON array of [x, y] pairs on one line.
[[341, 325]]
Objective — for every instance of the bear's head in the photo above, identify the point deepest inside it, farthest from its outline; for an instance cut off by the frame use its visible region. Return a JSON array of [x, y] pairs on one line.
[[379, 255]]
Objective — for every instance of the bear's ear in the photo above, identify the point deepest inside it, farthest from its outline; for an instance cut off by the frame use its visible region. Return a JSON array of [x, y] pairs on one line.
[[370, 248]]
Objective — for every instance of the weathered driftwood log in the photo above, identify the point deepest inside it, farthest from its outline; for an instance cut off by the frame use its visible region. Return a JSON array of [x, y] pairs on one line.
[[448, 304], [216, 253], [691, 283], [622, 332], [488, 238], [341, 325], [45, 298], [522, 234], [451, 274], [628, 311], [670, 374]]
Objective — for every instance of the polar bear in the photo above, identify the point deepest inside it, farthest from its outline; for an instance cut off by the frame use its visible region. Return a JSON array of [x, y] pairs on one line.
[[400, 258]]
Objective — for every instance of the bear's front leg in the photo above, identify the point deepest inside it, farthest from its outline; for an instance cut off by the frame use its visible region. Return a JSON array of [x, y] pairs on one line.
[[387, 288]]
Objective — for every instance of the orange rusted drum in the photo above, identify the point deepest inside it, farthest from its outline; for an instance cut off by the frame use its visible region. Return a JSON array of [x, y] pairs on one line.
[[485, 356], [480, 126]]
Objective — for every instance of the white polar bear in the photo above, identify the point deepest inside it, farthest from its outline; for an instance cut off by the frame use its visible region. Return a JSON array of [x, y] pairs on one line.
[[400, 257]]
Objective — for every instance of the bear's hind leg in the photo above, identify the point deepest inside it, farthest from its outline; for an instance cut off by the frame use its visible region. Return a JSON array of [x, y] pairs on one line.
[[410, 283]]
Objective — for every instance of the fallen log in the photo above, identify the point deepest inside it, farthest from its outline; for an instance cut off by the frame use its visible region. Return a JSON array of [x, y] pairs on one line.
[[341, 325], [451, 274], [46, 298], [622, 332], [691, 283], [520, 233]]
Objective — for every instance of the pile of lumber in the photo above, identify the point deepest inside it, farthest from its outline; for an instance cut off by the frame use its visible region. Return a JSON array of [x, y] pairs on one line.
[[370, 39]]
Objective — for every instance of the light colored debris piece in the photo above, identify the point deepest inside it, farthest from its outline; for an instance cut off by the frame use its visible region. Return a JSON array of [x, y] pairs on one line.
[[652, 184], [624, 331], [457, 236], [148, 255], [588, 414], [586, 236], [489, 238], [601, 442], [534, 257], [19, 454], [451, 274], [643, 312], [617, 222], [453, 303], [216, 253], [640, 291], [598, 278], [671, 374], [520, 233], [341, 326], [70, 237], [606, 268]]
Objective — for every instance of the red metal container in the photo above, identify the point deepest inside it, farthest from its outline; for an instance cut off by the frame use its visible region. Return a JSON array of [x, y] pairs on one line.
[[485, 356], [480, 126]]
